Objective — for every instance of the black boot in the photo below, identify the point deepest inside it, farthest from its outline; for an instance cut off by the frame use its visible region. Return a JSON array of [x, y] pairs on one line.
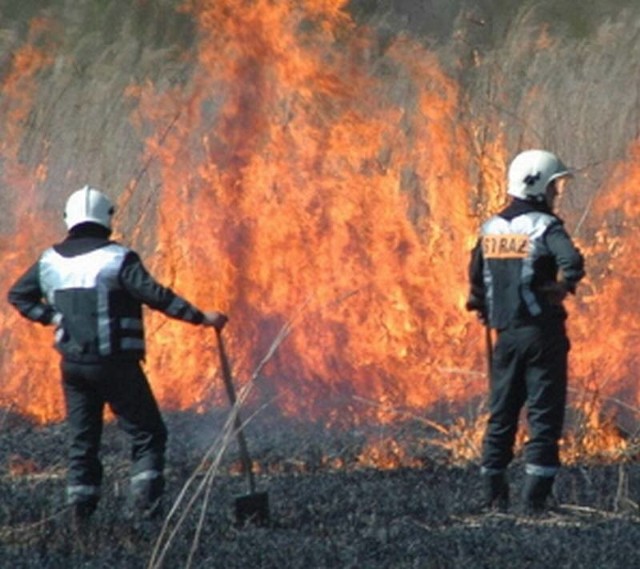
[[537, 490], [496, 492], [81, 512], [145, 500]]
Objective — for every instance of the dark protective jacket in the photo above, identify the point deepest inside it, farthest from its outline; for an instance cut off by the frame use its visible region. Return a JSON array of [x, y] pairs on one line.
[[93, 289], [520, 251]]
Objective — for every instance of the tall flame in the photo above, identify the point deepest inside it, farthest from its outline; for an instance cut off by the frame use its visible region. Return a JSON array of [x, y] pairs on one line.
[[606, 357], [24, 370], [328, 186], [308, 173]]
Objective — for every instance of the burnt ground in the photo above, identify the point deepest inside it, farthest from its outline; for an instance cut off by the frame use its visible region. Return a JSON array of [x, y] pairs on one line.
[[329, 507]]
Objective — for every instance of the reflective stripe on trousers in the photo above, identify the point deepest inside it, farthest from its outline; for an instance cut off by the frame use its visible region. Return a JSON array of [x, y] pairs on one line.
[[82, 493]]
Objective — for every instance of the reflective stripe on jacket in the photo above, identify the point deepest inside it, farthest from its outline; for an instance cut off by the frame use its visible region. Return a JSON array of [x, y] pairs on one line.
[[99, 317], [520, 255], [93, 290]]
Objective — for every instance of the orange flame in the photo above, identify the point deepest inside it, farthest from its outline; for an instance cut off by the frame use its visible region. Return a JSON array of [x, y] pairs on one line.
[[24, 369], [315, 194], [312, 175]]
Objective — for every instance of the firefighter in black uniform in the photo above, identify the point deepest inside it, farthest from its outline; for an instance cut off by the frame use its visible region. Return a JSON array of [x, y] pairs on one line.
[[92, 290], [521, 270]]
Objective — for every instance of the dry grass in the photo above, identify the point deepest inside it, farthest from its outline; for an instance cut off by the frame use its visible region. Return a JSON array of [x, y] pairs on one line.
[[329, 508]]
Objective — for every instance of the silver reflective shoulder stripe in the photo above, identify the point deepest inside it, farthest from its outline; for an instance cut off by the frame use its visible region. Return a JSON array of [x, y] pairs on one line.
[[50, 277], [81, 271], [97, 269]]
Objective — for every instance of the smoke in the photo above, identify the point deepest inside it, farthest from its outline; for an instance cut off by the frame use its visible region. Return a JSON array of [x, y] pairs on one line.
[[489, 78], [555, 74]]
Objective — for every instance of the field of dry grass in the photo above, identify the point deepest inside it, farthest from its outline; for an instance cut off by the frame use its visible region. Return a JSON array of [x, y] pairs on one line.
[[553, 73], [327, 508]]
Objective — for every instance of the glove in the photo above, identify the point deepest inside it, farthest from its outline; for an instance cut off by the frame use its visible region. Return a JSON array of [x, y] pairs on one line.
[[474, 304], [215, 320], [555, 292]]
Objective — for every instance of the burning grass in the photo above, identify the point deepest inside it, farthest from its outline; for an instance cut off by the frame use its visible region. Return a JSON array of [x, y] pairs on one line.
[[335, 502]]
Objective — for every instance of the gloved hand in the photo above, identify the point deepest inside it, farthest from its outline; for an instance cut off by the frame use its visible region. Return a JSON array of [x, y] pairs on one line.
[[555, 292], [477, 305], [215, 320]]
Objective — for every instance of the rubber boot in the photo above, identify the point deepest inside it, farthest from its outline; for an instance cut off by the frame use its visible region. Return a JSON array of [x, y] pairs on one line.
[[536, 491], [84, 510], [496, 492], [81, 512], [145, 501]]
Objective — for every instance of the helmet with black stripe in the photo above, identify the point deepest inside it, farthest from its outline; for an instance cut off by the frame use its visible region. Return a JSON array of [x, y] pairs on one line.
[[88, 205], [531, 172]]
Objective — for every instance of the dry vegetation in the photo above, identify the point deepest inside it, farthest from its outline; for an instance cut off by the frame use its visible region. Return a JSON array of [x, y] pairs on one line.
[[329, 507], [334, 501]]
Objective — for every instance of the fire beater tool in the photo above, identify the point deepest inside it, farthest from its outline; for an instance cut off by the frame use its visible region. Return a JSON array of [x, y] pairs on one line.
[[254, 506]]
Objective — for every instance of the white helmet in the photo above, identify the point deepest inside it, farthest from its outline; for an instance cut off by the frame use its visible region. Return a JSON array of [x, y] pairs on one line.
[[88, 205], [532, 171]]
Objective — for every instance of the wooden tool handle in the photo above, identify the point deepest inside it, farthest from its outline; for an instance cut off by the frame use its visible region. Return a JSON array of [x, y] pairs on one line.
[[242, 442]]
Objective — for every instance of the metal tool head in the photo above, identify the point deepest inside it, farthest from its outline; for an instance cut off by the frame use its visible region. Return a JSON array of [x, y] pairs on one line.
[[253, 509]]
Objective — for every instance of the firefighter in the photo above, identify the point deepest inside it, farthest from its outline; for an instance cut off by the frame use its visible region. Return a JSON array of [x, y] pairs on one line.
[[521, 269], [92, 290]]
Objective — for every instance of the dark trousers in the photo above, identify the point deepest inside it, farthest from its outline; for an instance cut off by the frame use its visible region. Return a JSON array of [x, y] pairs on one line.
[[529, 368], [124, 387]]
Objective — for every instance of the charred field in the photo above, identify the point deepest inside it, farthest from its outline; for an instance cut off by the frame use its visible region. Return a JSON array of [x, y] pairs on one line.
[[331, 505], [377, 132]]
